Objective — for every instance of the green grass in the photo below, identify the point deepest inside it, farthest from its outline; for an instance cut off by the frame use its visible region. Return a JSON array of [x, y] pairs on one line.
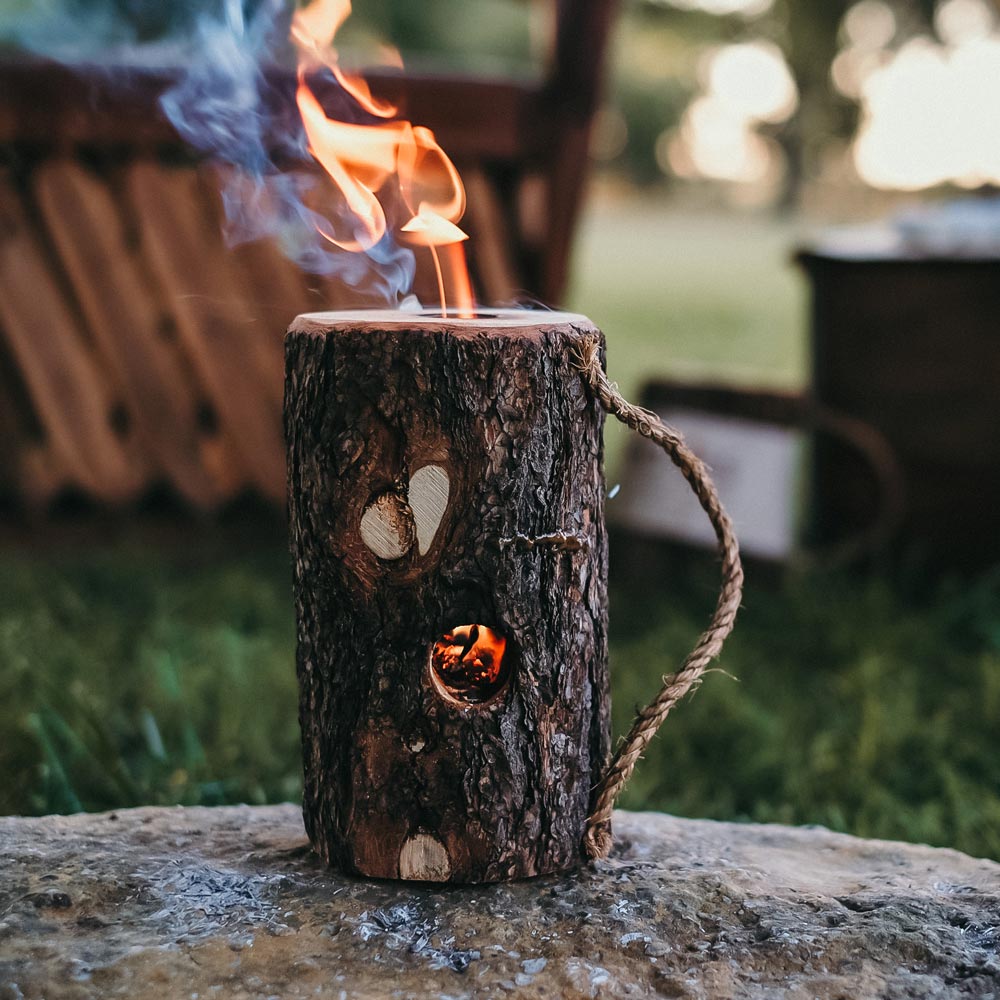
[[132, 677], [842, 703], [691, 295], [134, 674]]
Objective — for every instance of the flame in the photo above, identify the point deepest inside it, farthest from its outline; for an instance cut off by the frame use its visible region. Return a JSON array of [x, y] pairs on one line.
[[461, 282], [313, 30], [468, 658], [362, 160]]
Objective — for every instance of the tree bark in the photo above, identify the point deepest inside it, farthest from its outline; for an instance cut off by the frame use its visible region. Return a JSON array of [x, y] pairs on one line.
[[447, 473]]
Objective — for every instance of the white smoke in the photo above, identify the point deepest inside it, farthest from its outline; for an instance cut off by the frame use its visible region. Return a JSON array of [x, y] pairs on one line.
[[233, 101]]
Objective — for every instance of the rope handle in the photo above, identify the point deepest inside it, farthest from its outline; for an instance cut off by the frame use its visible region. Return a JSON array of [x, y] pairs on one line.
[[587, 358]]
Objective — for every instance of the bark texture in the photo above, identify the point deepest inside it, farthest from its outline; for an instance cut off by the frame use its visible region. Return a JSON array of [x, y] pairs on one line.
[[472, 452]]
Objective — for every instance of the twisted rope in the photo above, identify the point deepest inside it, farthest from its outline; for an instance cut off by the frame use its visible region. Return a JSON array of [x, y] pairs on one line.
[[597, 837]]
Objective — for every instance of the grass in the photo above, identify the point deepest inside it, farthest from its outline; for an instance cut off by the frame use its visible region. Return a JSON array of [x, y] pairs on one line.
[[693, 295], [132, 677], [133, 674], [854, 705]]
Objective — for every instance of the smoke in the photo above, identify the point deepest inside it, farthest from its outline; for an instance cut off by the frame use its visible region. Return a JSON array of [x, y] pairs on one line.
[[233, 100], [90, 31]]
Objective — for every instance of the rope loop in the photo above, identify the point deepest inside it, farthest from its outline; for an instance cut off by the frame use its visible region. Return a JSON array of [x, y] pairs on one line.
[[587, 358]]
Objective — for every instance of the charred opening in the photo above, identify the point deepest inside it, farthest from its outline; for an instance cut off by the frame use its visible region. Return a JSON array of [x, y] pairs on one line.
[[470, 663]]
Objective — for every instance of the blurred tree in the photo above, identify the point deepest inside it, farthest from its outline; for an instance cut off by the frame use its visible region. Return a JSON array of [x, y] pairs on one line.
[[652, 75], [647, 111], [656, 67], [811, 29]]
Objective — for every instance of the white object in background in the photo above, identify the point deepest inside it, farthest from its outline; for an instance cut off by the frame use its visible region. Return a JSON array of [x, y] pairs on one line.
[[755, 469]]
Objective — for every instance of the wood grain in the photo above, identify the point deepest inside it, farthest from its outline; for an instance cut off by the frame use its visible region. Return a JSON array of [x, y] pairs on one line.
[[72, 399], [214, 319], [123, 322]]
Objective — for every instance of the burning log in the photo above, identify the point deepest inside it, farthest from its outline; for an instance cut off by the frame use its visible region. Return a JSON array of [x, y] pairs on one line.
[[446, 500]]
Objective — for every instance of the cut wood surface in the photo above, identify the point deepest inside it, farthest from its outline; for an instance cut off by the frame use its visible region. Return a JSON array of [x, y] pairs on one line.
[[423, 452]]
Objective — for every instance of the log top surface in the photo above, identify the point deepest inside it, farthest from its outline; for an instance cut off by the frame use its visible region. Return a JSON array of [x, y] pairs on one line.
[[431, 321], [230, 902]]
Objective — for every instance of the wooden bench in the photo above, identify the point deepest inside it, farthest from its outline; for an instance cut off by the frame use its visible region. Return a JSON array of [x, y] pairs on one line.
[[139, 354]]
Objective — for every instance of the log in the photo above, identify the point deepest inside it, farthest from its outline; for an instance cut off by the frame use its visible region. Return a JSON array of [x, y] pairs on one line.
[[446, 509]]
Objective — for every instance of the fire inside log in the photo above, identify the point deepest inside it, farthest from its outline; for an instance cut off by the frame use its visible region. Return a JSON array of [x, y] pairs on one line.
[[446, 508], [469, 663]]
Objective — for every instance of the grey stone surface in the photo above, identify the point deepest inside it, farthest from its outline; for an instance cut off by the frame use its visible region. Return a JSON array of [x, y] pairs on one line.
[[202, 903]]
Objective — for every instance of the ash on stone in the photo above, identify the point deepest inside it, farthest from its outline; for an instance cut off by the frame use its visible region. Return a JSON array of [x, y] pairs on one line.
[[200, 900], [404, 928], [152, 920]]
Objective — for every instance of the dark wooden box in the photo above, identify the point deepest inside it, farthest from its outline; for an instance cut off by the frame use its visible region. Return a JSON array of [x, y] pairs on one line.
[[912, 347]]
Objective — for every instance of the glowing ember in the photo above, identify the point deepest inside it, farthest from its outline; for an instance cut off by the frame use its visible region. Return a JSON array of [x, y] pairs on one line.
[[468, 661], [362, 160]]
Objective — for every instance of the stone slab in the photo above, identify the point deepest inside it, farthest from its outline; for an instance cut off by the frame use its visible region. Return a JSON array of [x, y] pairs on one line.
[[230, 903]]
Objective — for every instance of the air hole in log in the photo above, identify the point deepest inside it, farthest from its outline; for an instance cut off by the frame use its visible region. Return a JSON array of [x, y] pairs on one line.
[[470, 664], [478, 314]]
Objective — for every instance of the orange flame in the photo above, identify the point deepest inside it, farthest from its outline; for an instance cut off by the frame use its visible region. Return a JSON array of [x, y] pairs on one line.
[[313, 30], [362, 159], [469, 656]]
